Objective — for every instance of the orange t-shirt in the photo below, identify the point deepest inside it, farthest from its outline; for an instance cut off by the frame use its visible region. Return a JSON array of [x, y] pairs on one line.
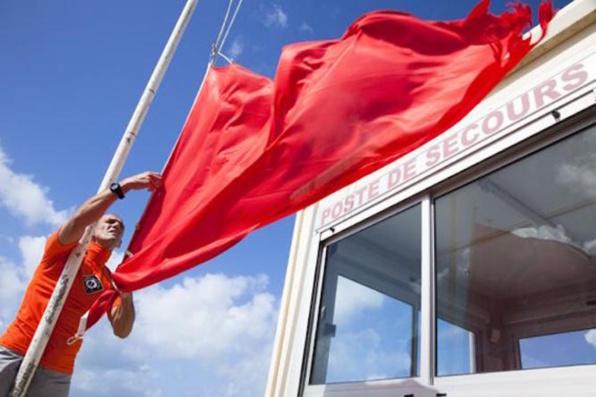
[[92, 279]]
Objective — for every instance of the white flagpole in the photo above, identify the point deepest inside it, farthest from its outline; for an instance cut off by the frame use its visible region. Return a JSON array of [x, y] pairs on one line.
[[52, 312]]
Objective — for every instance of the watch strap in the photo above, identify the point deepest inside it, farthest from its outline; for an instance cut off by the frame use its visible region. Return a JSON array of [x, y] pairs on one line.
[[117, 190]]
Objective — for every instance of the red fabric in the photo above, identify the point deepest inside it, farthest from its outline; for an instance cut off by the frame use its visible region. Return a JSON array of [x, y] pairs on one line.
[[339, 109]]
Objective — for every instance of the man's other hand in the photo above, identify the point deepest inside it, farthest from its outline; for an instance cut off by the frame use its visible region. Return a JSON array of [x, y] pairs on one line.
[[146, 180]]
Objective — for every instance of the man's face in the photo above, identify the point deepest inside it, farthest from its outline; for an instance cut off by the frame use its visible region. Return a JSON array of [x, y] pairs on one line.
[[109, 231]]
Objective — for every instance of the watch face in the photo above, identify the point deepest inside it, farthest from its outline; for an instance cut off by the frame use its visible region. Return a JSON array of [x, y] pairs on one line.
[[116, 189]]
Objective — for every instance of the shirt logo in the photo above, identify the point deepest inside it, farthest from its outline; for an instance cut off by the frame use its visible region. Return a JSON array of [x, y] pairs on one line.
[[92, 284]]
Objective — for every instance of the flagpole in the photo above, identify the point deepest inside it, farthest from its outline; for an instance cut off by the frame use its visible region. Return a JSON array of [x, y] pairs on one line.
[[52, 312]]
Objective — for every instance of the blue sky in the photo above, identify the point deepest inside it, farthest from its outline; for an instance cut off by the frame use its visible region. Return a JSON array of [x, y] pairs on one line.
[[71, 74]]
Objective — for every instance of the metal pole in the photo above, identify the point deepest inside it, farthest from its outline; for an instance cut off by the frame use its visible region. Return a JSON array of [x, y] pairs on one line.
[[52, 312]]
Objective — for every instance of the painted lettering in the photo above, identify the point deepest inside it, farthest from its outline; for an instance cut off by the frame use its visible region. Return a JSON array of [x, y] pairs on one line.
[[450, 146], [373, 189], [546, 89], [525, 107], [394, 178], [336, 211], [575, 77], [349, 203], [410, 169], [360, 193], [497, 116], [433, 155], [466, 140], [571, 79], [325, 215]]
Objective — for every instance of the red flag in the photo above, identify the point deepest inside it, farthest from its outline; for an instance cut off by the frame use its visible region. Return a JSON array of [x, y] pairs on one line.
[[226, 132], [339, 109]]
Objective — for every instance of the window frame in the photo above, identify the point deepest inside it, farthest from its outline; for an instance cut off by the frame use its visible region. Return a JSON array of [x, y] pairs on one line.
[[321, 272], [507, 148]]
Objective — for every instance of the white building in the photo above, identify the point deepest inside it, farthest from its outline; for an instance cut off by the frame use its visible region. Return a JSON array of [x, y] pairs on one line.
[[468, 267]]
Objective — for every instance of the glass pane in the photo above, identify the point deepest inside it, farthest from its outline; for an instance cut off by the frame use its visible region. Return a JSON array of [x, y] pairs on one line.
[[455, 345], [516, 261], [557, 350], [369, 316]]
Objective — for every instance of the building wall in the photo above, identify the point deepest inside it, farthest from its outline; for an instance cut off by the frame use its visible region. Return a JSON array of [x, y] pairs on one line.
[[551, 91]]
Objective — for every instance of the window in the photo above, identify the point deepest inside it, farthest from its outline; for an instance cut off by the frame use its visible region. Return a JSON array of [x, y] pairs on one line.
[[516, 264], [558, 350], [368, 323], [457, 344]]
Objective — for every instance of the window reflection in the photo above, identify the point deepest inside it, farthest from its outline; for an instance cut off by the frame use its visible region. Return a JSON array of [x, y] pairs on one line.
[[557, 350], [369, 318], [515, 256], [457, 347]]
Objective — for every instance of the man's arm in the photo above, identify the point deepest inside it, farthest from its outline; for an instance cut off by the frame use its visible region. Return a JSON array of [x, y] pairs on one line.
[[122, 316], [96, 206]]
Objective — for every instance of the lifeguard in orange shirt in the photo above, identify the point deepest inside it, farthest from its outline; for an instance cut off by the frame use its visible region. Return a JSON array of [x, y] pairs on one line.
[[52, 378]]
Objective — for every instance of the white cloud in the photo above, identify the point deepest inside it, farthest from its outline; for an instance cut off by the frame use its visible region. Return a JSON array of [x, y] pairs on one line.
[[554, 234], [15, 277], [590, 337], [304, 27], [24, 198], [276, 17], [544, 233], [462, 266], [206, 317], [590, 246], [134, 381], [236, 48], [362, 355], [31, 250], [206, 336], [353, 299], [12, 287], [115, 259], [580, 176], [246, 376], [102, 370]]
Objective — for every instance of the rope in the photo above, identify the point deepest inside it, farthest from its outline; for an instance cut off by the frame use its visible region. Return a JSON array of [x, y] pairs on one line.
[[230, 61], [230, 25], [215, 48], [219, 42]]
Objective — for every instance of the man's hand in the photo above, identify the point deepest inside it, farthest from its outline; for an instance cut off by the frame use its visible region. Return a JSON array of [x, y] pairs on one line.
[[147, 180], [96, 206], [122, 316]]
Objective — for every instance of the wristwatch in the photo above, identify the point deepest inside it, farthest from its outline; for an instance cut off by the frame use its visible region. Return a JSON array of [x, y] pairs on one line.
[[117, 190]]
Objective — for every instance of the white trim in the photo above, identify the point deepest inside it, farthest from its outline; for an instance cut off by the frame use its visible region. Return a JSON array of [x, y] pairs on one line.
[[576, 381], [290, 377], [427, 288], [380, 388], [277, 364], [315, 310]]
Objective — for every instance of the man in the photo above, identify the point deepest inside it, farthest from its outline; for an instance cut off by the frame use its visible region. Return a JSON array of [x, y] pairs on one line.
[[52, 378]]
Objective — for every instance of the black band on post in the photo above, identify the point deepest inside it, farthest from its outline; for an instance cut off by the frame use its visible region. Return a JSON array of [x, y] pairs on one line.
[[117, 190]]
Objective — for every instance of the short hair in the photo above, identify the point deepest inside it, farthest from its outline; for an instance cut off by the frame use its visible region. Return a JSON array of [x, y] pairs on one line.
[[114, 216]]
